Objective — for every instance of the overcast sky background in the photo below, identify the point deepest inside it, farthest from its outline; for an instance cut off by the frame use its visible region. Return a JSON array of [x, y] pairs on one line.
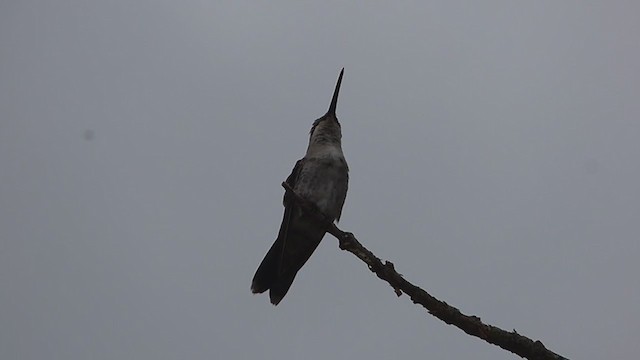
[[494, 159]]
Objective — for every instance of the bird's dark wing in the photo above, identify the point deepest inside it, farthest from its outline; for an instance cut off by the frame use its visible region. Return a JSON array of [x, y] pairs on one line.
[[269, 268], [289, 207], [291, 181], [299, 237]]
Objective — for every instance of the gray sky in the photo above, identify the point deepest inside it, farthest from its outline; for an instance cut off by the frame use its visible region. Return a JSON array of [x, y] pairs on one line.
[[494, 159]]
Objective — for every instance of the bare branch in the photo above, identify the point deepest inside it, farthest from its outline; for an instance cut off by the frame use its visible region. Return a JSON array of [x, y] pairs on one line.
[[472, 325]]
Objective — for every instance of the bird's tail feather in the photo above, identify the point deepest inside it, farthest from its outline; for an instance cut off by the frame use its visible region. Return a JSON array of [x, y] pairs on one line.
[[268, 270], [285, 258], [280, 287]]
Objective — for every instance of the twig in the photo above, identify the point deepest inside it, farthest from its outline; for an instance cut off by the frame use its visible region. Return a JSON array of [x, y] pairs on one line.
[[472, 325]]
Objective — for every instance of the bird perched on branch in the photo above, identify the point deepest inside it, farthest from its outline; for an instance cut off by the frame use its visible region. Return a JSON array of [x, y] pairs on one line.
[[321, 177]]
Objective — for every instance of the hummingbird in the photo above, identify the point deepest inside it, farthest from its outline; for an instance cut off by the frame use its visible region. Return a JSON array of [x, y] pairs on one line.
[[321, 177]]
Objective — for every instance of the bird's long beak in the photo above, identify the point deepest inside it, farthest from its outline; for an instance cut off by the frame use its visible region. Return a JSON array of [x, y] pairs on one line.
[[334, 100]]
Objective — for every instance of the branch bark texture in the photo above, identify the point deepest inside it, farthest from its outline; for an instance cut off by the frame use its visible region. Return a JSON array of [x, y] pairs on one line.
[[472, 325]]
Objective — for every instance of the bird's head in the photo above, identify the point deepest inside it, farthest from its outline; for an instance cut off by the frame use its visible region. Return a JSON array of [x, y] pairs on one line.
[[327, 127]]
